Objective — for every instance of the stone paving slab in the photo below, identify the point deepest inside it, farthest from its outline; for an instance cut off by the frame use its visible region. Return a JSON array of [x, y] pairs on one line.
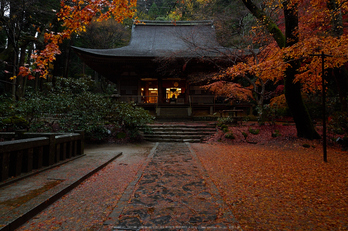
[[173, 192], [25, 198]]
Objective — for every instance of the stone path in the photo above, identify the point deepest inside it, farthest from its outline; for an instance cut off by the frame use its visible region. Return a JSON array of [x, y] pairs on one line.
[[173, 192]]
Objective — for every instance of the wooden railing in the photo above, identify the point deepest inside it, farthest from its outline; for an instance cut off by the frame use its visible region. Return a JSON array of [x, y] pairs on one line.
[[194, 99], [36, 150], [138, 99]]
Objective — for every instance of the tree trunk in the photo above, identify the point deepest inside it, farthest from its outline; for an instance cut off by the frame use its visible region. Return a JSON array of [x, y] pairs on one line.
[[303, 121], [272, 28], [260, 109], [28, 62], [20, 79], [304, 124], [259, 97], [14, 81]]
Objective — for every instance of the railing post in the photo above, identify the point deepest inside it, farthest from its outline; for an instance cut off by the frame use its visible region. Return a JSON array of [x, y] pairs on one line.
[[27, 165], [51, 149], [16, 160], [38, 157], [4, 165], [74, 148], [69, 149], [57, 155], [63, 151]]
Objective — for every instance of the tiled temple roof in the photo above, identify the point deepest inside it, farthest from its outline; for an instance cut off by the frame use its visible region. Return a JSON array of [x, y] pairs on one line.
[[155, 39]]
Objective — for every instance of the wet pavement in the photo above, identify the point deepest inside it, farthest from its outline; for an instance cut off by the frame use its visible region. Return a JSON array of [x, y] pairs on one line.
[[173, 192]]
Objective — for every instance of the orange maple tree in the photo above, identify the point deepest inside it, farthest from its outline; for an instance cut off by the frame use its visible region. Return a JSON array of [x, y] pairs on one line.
[[296, 30], [75, 15], [230, 90], [316, 33], [256, 70]]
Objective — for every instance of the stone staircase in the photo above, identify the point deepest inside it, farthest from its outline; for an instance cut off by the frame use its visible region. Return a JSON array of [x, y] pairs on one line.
[[179, 132], [177, 113]]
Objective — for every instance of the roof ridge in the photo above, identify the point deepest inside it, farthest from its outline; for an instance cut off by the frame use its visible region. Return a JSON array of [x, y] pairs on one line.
[[172, 23]]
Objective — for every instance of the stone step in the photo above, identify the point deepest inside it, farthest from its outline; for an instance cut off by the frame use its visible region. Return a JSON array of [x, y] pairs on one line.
[[173, 136], [176, 112], [182, 127], [179, 132], [174, 140], [182, 130], [210, 125]]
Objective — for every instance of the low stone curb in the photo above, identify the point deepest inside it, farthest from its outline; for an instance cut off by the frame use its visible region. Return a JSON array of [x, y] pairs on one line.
[[39, 203]]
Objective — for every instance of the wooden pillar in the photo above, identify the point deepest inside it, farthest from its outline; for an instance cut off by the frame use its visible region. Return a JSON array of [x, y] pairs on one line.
[[57, 153], [160, 90], [63, 148], [74, 153], [16, 160], [27, 164], [69, 149], [118, 86], [51, 150], [187, 92], [139, 91], [4, 165], [38, 157]]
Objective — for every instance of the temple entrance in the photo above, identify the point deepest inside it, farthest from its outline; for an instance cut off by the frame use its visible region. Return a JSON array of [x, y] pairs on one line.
[[149, 91], [174, 91], [163, 91], [172, 95]]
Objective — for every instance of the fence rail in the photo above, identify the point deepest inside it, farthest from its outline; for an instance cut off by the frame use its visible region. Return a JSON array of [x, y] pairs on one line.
[[36, 150], [193, 99]]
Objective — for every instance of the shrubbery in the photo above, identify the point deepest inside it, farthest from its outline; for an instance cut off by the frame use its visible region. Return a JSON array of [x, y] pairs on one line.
[[224, 120], [254, 131], [71, 106], [338, 124], [230, 136]]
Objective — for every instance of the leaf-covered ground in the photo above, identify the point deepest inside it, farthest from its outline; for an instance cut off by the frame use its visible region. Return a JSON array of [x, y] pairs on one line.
[[277, 184], [282, 134], [269, 183]]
